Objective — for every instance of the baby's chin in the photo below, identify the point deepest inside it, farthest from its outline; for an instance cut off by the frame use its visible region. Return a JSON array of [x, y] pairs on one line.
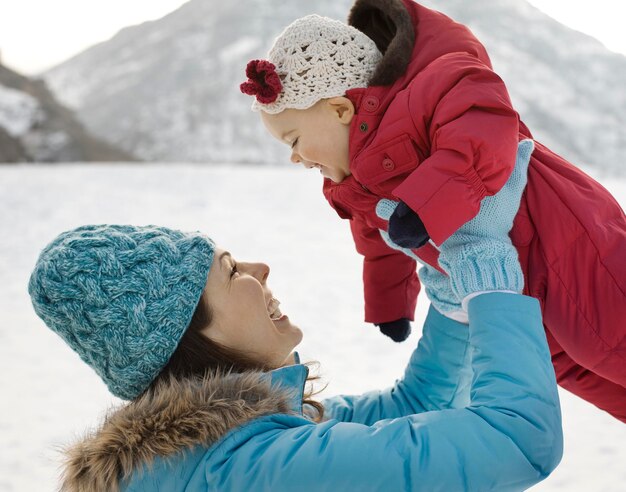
[[337, 177]]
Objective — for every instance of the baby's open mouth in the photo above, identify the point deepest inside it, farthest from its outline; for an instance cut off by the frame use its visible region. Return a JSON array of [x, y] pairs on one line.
[[313, 165]]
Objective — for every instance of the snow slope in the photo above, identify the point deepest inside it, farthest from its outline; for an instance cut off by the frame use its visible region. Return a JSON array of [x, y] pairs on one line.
[[19, 111], [50, 396], [35, 127]]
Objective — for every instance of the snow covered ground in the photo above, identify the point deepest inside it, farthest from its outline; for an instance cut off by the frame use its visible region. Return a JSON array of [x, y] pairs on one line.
[[274, 215]]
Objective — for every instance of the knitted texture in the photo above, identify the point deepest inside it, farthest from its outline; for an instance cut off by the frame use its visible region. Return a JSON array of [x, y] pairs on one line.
[[436, 284], [385, 208], [316, 58], [439, 291], [121, 297], [480, 255]]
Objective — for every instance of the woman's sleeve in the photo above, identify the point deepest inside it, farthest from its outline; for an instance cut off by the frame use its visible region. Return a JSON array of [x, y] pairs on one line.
[[437, 377], [508, 438], [462, 108]]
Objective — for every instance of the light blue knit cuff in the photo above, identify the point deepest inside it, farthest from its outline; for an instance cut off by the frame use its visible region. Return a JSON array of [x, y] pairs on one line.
[[480, 265], [438, 290]]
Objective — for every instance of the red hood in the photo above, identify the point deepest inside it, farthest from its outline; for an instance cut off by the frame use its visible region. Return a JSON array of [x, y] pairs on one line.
[[410, 37], [417, 36]]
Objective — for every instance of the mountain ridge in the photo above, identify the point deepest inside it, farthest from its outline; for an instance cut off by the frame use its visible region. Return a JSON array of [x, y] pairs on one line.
[[34, 127], [167, 90]]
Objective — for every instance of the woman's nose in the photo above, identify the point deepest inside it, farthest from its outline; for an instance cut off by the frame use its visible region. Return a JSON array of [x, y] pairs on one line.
[[295, 158], [258, 270]]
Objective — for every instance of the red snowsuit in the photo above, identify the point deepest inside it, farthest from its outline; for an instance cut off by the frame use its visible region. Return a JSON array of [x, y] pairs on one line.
[[441, 136]]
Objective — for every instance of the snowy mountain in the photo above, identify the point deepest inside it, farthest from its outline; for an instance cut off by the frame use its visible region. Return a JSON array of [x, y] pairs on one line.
[[167, 90], [568, 88], [11, 149], [35, 127]]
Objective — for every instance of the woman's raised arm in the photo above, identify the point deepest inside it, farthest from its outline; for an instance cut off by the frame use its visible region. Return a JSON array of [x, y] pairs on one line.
[[437, 377], [508, 438]]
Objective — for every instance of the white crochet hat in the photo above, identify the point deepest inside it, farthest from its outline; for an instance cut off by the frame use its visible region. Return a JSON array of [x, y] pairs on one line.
[[314, 58]]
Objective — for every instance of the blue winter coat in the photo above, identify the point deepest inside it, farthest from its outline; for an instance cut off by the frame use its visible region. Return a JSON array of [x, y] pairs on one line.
[[477, 409]]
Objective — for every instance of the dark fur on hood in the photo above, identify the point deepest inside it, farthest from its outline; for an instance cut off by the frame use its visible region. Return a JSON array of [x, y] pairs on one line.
[[389, 24], [175, 416]]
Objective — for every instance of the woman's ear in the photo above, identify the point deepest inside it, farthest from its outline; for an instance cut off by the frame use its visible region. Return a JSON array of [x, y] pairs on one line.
[[342, 107]]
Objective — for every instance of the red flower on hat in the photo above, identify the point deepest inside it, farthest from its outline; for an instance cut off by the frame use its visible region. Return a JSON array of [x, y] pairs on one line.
[[263, 81]]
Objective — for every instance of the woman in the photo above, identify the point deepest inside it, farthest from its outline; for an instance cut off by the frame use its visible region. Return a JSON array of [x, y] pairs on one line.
[[199, 345]]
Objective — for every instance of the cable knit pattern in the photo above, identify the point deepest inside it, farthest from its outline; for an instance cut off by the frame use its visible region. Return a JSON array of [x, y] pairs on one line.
[[121, 297], [316, 58], [480, 255], [439, 291]]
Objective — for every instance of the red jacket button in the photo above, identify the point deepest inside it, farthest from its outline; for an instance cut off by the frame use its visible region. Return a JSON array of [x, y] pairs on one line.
[[371, 103], [388, 164]]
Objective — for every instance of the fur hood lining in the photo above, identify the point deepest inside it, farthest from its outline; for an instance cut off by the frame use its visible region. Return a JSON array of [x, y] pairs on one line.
[[175, 416], [389, 24]]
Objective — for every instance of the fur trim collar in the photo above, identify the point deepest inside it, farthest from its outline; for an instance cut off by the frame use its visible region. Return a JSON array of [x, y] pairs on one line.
[[176, 416], [389, 24]]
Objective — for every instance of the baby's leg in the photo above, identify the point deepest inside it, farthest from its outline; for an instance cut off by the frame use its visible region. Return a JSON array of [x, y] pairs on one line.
[[604, 394], [585, 303]]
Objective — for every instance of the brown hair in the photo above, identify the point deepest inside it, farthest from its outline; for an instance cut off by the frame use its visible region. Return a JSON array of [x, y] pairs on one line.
[[197, 355]]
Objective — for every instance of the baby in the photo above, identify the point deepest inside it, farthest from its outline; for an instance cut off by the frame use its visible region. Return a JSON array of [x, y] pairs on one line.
[[402, 114]]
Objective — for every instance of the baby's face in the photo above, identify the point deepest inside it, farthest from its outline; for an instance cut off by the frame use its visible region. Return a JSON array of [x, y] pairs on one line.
[[318, 136]]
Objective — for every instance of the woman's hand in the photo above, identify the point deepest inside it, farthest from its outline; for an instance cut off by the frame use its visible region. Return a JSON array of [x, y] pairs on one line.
[[480, 256]]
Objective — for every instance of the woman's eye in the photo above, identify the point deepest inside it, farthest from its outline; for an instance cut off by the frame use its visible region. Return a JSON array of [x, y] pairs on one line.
[[293, 144], [233, 270]]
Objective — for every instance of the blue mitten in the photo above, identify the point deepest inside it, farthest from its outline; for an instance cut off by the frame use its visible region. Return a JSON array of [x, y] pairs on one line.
[[436, 284], [480, 255], [440, 294]]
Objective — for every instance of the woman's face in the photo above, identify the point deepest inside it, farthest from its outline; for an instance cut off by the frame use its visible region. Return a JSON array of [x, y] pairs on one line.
[[246, 317]]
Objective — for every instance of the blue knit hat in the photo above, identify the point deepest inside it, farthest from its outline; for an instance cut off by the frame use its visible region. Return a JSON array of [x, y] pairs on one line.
[[121, 297]]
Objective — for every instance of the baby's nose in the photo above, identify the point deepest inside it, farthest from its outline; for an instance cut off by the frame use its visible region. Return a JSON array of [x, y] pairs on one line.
[[295, 158]]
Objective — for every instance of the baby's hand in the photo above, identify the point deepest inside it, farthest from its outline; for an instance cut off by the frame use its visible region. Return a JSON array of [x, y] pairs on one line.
[[398, 330], [406, 229], [436, 284]]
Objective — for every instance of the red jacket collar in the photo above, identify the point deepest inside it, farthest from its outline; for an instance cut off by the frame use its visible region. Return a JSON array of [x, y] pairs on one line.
[[435, 36]]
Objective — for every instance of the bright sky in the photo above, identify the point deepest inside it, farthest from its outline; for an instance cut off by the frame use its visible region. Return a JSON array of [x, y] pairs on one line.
[[38, 34]]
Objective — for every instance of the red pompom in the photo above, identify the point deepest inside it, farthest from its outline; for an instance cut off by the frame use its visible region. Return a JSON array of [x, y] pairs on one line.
[[263, 81]]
